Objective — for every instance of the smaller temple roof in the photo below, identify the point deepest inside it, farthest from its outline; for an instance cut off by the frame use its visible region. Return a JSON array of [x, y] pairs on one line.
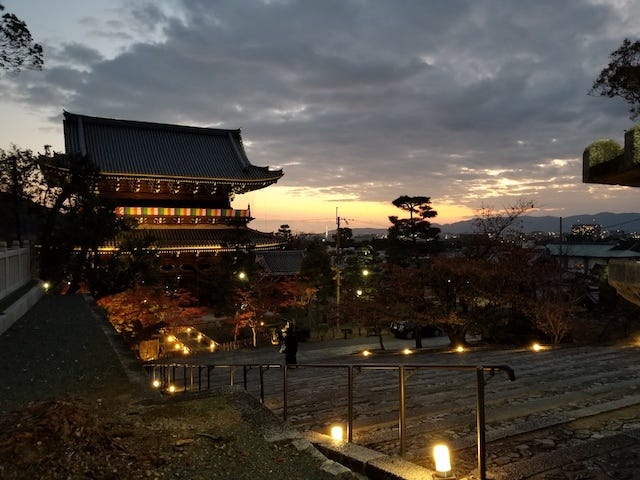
[[132, 148], [282, 262]]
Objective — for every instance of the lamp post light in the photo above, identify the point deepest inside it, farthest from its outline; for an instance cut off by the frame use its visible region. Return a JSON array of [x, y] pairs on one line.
[[337, 433], [443, 463]]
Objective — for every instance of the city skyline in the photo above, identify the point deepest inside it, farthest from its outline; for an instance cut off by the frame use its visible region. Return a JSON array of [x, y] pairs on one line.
[[470, 103]]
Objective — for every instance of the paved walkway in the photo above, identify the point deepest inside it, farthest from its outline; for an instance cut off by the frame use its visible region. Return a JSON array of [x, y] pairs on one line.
[[60, 347]]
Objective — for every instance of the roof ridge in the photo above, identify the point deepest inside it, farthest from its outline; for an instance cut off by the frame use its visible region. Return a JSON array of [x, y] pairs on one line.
[[146, 124]]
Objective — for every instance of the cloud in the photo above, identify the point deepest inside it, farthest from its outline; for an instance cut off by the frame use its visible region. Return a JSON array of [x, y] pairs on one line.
[[365, 99]]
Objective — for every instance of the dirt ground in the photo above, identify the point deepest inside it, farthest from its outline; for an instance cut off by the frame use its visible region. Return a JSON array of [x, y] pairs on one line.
[[220, 436]]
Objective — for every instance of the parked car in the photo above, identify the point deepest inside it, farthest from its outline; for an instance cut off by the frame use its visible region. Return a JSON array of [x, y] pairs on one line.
[[406, 329]]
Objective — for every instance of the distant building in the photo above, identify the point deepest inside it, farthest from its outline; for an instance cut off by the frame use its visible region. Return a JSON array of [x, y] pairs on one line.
[[591, 230], [176, 182], [582, 258]]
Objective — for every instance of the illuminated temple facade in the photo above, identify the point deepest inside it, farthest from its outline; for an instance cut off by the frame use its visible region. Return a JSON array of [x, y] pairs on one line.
[[176, 182]]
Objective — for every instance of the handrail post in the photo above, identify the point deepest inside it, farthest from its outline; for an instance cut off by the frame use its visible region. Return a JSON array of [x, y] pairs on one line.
[[350, 404], [184, 376], [402, 425], [244, 377], [261, 385], [284, 391], [481, 425]]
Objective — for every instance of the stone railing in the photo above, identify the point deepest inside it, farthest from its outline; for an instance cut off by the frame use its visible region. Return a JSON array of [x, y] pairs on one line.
[[15, 267]]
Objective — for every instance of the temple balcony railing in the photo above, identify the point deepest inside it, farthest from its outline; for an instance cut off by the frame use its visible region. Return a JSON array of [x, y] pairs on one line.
[[183, 215]]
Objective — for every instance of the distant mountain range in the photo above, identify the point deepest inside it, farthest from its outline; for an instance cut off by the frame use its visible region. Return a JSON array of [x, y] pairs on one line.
[[627, 222]]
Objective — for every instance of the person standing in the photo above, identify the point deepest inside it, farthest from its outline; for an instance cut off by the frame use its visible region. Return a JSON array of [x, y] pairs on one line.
[[290, 346]]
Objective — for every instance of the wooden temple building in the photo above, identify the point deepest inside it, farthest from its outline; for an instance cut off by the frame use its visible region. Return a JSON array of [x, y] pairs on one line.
[[177, 183]]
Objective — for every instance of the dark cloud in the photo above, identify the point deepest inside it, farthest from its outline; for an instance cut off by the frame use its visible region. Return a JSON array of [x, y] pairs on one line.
[[377, 98]]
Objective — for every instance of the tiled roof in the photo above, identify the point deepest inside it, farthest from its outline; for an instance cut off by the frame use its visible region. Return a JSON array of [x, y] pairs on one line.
[[591, 250], [283, 262], [207, 239], [123, 147]]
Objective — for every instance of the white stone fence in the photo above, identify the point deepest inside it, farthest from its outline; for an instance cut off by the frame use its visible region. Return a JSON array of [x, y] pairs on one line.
[[15, 267]]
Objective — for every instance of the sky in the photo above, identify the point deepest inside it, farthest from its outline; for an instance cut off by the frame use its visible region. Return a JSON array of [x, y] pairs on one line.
[[473, 103]]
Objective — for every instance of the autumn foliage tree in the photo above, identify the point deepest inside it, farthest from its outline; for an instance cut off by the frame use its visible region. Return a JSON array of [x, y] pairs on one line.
[[139, 313]]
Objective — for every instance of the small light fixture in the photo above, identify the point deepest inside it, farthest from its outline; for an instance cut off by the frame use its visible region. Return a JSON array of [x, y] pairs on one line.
[[366, 353], [407, 351], [46, 286], [171, 389], [156, 383], [336, 433], [536, 347], [443, 463], [460, 349]]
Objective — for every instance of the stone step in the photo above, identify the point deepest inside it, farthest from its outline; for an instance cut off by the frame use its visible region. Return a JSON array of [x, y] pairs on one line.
[[558, 458]]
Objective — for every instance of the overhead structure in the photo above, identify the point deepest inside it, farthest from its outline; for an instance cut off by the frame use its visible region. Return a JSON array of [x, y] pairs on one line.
[[176, 182]]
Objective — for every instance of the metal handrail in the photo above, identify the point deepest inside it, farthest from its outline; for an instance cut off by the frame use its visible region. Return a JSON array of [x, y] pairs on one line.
[[168, 374]]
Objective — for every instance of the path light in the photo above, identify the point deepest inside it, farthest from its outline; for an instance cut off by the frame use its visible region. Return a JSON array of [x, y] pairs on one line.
[[171, 389], [443, 463], [366, 353], [46, 286], [242, 276], [460, 349], [156, 383], [336, 433], [407, 351], [536, 347]]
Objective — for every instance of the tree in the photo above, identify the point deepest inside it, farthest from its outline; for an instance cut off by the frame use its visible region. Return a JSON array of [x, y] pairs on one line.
[[416, 226], [75, 218], [17, 48], [484, 290], [19, 179], [492, 226], [285, 231], [621, 77]]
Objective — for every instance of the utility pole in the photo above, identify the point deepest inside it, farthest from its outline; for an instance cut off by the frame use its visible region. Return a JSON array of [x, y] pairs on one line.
[[338, 269], [338, 264]]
